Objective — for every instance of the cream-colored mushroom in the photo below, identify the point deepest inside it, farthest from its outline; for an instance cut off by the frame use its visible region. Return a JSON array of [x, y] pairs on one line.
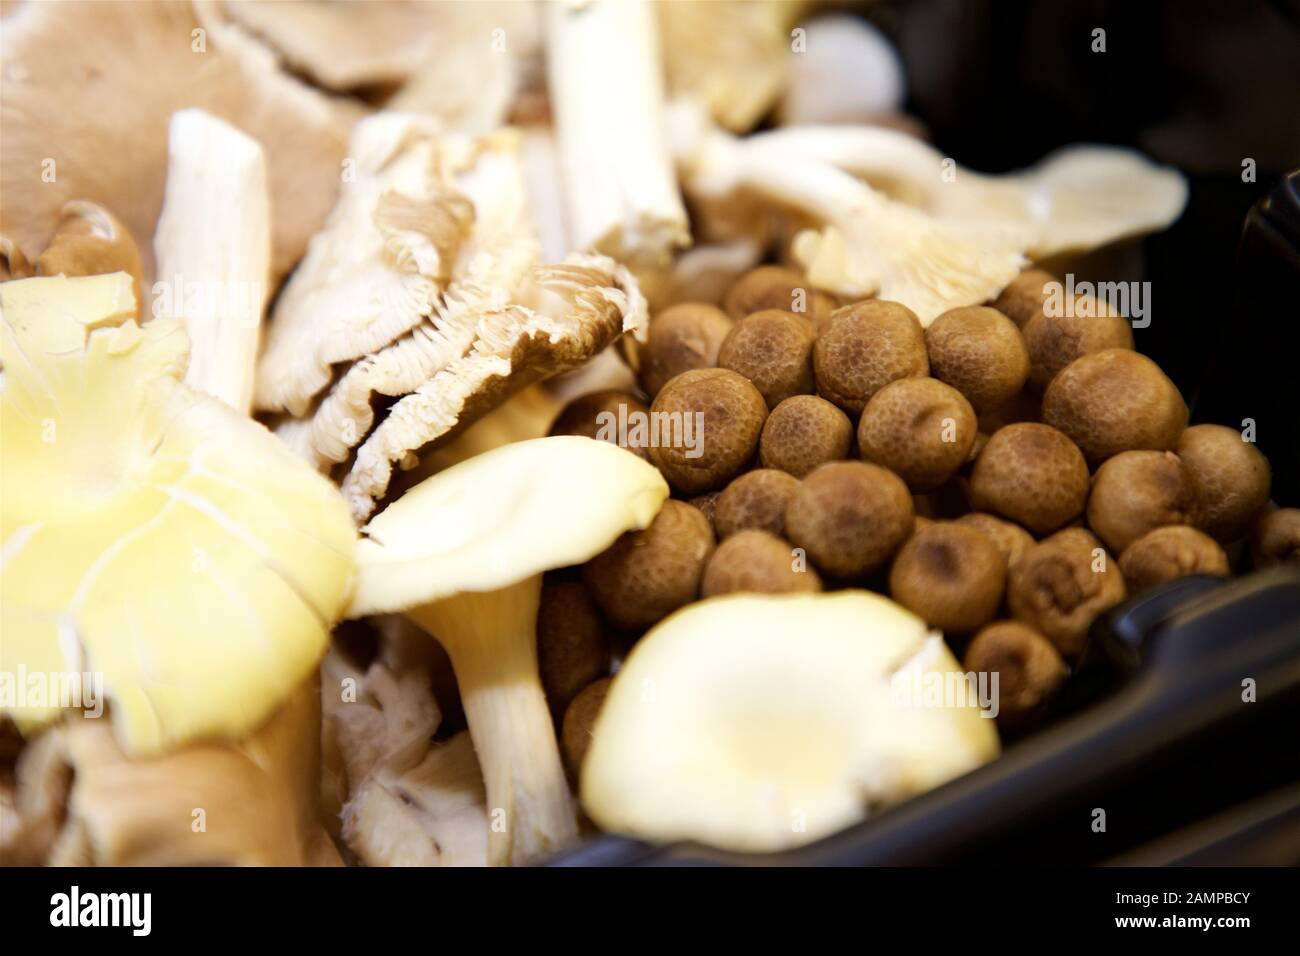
[[213, 249], [864, 243], [1077, 199], [82, 802], [758, 723], [462, 554]]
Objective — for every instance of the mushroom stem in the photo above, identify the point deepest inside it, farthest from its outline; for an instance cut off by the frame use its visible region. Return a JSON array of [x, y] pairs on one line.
[[213, 247], [491, 637], [607, 90]]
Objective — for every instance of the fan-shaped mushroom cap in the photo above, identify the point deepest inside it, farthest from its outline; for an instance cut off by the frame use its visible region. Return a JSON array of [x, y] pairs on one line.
[[503, 516], [91, 87], [757, 723]]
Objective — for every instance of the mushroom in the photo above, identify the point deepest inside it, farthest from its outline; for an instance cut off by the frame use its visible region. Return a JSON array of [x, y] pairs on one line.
[[1276, 538], [215, 278], [427, 286], [732, 56], [757, 723], [848, 72], [107, 139], [462, 554], [90, 241], [150, 533], [865, 244], [605, 81], [403, 799], [249, 802], [1078, 198]]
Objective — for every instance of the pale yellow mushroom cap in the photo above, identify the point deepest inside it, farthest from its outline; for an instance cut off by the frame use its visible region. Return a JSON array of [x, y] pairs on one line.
[[501, 517], [755, 723], [150, 534]]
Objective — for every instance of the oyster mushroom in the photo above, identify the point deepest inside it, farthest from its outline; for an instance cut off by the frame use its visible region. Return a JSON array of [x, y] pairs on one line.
[[426, 287], [1077, 199], [864, 244], [386, 253], [250, 802], [462, 554], [122, 71], [757, 723], [402, 799], [90, 241], [732, 56], [150, 533]]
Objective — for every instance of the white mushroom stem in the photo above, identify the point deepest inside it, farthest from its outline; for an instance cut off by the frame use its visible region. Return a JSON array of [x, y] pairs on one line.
[[607, 93], [492, 641], [213, 246]]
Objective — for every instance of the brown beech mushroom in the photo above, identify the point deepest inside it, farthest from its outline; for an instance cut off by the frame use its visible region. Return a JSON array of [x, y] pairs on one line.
[[707, 505], [1277, 538], [1033, 475], [1054, 341], [13, 264], [1137, 491], [802, 432], [776, 287], [756, 499], [579, 718], [611, 416], [646, 575], [1112, 401], [462, 554], [919, 428], [681, 338], [979, 352], [572, 647], [713, 419], [850, 517], [757, 561], [1062, 584], [1229, 477], [863, 348], [773, 349], [1030, 670], [1170, 552], [1011, 540], [1024, 296], [950, 575]]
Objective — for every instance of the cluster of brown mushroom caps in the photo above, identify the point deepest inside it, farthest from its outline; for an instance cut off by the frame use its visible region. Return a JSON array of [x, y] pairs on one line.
[[1007, 474]]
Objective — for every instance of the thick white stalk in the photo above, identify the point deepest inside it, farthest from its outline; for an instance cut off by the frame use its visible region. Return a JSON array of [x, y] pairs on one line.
[[213, 246], [606, 87], [491, 637]]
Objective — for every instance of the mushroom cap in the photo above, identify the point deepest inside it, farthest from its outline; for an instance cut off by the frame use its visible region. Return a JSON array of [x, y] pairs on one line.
[[740, 716], [501, 517], [93, 86], [161, 539]]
